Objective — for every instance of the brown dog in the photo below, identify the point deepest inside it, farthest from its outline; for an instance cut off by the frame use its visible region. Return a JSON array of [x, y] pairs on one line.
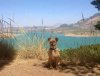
[[53, 53]]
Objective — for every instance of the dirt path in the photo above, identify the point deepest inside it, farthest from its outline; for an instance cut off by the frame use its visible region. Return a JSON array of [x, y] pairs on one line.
[[29, 68], [35, 68]]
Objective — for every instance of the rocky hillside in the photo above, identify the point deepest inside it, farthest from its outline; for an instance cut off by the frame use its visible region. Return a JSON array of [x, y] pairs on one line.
[[84, 22], [89, 21], [81, 25]]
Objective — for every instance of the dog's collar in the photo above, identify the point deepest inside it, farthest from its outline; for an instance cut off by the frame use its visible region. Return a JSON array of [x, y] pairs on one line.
[[52, 48]]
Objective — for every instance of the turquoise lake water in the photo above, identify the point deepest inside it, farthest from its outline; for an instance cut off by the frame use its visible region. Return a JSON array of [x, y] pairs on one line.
[[64, 42]]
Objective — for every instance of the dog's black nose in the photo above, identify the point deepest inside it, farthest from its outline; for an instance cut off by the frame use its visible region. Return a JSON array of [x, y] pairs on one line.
[[52, 44]]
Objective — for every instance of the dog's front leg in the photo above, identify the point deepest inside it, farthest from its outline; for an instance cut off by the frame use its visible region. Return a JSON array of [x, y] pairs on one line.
[[50, 63], [56, 65]]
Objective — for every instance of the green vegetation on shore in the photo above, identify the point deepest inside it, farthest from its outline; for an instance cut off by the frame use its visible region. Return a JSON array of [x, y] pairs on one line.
[[84, 55], [97, 26]]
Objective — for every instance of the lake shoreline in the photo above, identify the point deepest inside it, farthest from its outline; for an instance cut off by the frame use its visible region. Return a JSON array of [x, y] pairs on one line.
[[9, 35], [83, 35]]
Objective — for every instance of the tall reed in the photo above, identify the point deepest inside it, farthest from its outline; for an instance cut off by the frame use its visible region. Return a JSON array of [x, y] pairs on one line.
[[31, 47]]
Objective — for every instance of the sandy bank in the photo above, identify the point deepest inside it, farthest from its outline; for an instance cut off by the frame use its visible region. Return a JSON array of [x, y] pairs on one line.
[[83, 35]]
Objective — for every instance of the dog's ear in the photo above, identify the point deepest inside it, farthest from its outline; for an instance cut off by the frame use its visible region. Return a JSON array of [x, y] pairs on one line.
[[49, 39], [56, 39]]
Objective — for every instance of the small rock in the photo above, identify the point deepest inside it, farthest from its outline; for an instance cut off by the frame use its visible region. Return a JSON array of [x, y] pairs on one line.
[[90, 74], [96, 70], [68, 70], [83, 70], [98, 66]]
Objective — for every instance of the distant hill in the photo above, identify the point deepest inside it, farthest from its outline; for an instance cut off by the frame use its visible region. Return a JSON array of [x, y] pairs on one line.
[[89, 21], [95, 15], [65, 25], [81, 25]]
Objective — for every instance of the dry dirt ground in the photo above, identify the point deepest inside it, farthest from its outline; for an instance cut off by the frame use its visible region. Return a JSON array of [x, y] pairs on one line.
[[35, 68]]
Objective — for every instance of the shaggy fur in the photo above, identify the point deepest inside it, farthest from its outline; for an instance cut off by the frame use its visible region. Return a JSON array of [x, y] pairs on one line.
[[53, 53]]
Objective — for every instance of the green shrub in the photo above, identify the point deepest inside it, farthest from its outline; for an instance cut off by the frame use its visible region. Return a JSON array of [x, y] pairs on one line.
[[97, 26], [84, 54]]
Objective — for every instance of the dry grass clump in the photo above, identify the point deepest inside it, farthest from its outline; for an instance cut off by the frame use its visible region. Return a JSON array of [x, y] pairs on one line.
[[32, 52], [32, 47]]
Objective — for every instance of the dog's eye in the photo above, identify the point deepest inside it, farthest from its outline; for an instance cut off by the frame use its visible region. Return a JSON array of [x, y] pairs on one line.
[[50, 42]]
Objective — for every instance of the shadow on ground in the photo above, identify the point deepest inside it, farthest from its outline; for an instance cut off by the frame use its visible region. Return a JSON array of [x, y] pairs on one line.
[[78, 70], [7, 53]]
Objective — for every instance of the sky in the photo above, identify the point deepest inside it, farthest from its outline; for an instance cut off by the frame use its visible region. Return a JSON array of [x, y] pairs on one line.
[[53, 12]]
